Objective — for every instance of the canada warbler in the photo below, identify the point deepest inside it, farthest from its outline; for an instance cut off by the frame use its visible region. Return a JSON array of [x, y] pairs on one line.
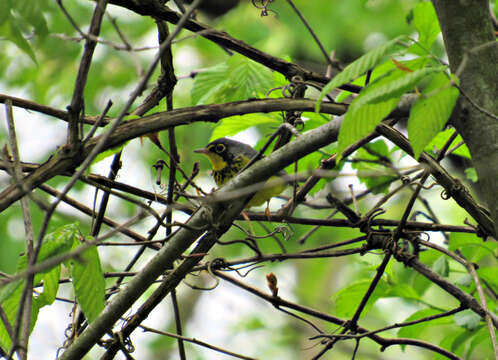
[[228, 157]]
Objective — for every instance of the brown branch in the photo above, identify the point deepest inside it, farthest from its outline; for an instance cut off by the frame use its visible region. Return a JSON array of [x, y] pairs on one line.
[[60, 114], [63, 161], [384, 342], [153, 9]]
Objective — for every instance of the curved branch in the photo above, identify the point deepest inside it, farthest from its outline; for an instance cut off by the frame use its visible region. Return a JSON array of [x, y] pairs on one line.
[[63, 161], [154, 10]]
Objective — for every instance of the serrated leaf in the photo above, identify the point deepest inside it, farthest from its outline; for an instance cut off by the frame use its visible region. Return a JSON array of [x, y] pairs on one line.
[[247, 79], [234, 124], [428, 116], [88, 283], [441, 266], [207, 84], [426, 23], [467, 319], [237, 79], [359, 66], [396, 87], [55, 243], [361, 122], [348, 298]]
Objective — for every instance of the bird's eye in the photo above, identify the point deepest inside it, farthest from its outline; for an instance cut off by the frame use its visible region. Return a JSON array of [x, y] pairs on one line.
[[220, 148]]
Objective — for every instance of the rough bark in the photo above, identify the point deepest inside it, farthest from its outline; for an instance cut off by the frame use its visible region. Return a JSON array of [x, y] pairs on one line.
[[473, 55]]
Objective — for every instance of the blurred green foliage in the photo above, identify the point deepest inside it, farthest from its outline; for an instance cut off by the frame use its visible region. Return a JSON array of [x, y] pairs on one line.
[[39, 59]]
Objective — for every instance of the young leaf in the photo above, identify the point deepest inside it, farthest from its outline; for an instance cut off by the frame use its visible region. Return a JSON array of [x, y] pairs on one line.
[[208, 84], [234, 124], [396, 87], [428, 116], [359, 66], [362, 122], [426, 23], [247, 79], [89, 283]]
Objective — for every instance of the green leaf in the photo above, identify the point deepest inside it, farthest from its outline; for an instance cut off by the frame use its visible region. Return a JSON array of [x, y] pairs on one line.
[[55, 243], [50, 286], [238, 79], [490, 274], [428, 116], [471, 246], [4, 11], [30, 12], [358, 124], [441, 266], [246, 78], [480, 336], [464, 280], [359, 66], [208, 84], [467, 319], [414, 331], [404, 291], [234, 124], [10, 30], [426, 23], [378, 184], [347, 299], [442, 138], [471, 174], [313, 120], [396, 87], [88, 283], [109, 152], [10, 297]]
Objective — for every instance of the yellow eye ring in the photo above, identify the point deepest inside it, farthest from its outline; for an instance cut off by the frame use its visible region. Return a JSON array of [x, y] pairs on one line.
[[220, 148]]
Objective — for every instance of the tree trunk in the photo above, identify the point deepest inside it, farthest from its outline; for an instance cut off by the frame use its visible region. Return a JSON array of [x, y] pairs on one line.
[[473, 55]]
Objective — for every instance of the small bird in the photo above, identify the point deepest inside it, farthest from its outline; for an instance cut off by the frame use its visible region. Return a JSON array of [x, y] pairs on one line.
[[227, 158]]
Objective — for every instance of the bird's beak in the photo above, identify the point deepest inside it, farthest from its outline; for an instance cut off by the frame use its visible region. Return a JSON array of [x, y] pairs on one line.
[[202, 151]]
